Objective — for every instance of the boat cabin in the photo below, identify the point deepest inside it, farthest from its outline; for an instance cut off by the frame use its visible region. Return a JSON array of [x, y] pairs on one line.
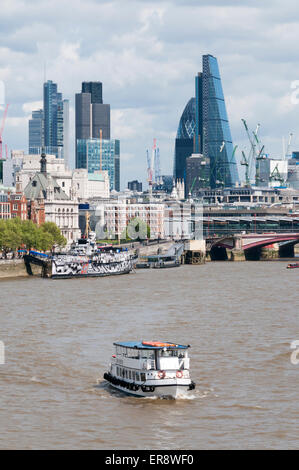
[[132, 359]]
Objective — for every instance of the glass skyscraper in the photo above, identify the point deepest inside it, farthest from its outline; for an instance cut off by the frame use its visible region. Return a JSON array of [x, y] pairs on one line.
[[204, 129], [100, 154], [56, 121], [36, 132], [217, 139]]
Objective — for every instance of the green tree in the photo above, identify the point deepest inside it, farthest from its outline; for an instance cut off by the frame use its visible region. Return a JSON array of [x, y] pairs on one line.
[[51, 229], [15, 233], [45, 241], [29, 234], [10, 235]]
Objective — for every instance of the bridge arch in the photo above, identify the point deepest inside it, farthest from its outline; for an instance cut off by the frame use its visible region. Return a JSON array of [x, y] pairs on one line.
[[253, 246]]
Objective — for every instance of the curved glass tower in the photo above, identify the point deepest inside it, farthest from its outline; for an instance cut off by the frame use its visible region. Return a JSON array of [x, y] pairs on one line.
[[184, 139]]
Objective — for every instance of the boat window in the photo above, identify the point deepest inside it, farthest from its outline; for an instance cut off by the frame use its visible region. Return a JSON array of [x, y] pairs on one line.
[[133, 375], [137, 376], [142, 377], [169, 353], [148, 354], [130, 374], [133, 353]]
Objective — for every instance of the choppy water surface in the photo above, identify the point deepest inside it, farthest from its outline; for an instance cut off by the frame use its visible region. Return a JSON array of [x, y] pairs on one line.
[[240, 319]]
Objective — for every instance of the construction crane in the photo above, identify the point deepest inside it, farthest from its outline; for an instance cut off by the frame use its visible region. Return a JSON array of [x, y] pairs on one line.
[[2, 159], [287, 153], [252, 161], [251, 156], [149, 169], [259, 156], [245, 162]]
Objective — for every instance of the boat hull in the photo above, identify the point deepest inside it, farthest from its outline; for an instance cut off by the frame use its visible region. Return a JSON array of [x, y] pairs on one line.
[[72, 276], [69, 267], [152, 389]]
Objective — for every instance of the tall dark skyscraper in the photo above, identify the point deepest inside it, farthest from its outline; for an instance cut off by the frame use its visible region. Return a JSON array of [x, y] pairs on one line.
[[204, 129], [94, 148], [95, 89], [92, 116]]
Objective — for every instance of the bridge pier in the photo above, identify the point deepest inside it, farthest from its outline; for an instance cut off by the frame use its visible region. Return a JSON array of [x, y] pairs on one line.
[[270, 252], [237, 255]]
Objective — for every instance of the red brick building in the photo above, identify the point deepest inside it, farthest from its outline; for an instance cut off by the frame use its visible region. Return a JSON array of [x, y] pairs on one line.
[[18, 205], [36, 211]]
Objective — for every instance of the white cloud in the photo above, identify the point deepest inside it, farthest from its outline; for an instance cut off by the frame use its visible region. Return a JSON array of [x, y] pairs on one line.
[[147, 55], [32, 106]]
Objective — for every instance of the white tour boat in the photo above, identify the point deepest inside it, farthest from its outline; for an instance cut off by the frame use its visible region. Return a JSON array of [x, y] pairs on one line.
[[150, 369]]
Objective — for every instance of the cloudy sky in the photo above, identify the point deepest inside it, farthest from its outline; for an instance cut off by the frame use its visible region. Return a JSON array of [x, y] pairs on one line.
[[147, 54]]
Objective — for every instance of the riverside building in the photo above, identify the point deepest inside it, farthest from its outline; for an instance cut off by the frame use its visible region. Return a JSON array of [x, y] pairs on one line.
[[43, 191]]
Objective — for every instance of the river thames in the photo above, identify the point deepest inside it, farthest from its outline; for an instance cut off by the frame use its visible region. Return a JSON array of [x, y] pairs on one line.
[[240, 319]]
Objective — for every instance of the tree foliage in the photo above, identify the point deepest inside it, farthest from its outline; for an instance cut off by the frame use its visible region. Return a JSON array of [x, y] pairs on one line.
[[17, 233]]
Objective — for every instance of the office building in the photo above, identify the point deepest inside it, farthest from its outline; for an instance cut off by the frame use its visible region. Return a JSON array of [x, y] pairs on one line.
[[197, 173], [56, 121], [98, 155], [95, 150], [184, 142], [92, 116], [135, 186], [36, 132], [217, 140]]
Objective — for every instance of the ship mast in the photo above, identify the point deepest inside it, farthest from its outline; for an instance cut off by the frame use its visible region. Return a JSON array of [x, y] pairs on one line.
[[87, 225]]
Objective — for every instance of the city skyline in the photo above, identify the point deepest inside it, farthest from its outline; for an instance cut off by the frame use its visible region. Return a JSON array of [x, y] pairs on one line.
[[147, 70]]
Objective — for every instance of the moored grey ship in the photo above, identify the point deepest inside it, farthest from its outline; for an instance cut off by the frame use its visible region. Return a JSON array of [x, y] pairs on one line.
[[84, 259]]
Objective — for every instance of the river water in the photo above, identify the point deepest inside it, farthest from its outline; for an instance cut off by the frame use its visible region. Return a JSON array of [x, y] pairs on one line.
[[240, 319]]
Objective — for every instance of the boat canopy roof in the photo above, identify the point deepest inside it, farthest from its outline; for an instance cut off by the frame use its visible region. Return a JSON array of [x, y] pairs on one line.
[[151, 345]]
